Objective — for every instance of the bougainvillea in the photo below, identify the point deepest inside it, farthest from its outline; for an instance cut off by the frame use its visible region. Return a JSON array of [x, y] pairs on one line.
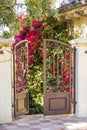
[[40, 29], [34, 33]]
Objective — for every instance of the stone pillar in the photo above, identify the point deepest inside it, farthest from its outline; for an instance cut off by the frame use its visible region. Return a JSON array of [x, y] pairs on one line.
[[5, 87], [81, 76]]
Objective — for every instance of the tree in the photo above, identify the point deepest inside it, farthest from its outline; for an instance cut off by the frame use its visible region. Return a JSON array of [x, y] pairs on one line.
[[7, 13], [8, 17], [40, 8], [35, 9], [53, 2]]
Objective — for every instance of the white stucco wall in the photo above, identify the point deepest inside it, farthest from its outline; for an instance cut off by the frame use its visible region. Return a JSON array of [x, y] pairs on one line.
[[80, 27], [5, 87], [81, 77]]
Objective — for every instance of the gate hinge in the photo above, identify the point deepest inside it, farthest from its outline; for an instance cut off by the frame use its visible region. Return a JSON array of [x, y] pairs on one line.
[[13, 104], [74, 102]]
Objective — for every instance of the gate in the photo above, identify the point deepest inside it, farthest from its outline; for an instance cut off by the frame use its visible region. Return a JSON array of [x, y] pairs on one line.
[[20, 66], [59, 74]]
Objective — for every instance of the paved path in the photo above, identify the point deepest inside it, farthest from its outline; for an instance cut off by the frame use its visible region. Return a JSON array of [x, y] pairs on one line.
[[39, 122]]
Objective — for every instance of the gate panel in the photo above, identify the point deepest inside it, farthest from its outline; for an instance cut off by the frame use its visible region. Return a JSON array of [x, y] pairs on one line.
[[57, 77], [57, 104], [20, 65]]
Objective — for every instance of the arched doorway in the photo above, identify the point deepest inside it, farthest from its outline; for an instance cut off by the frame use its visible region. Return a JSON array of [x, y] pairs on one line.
[[58, 81]]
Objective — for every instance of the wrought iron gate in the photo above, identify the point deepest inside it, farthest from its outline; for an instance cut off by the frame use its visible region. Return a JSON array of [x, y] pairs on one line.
[[58, 78], [20, 66]]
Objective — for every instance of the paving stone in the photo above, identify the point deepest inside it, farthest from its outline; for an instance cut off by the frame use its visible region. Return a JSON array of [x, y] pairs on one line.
[[35, 129], [38, 122], [46, 128], [11, 127], [23, 124], [2, 127]]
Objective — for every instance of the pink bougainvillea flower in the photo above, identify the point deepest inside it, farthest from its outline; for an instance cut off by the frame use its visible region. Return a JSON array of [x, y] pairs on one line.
[[25, 28], [66, 79], [17, 82], [59, 63], [31, 52], [67, 53], [47, 26], [40, 48], [13, 44], [33, 22], [22, 17], [31, 32], [18, 67], [52, 68], [40, 32], [30, 59], [41, 55], [64, 71], [33, 37], [20, 37], [51, 90], [33, 42], [23, 83], [37, 23], [68, 90], [17, 60]]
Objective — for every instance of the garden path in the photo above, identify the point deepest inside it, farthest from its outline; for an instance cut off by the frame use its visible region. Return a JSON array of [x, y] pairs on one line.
[[39, 122]]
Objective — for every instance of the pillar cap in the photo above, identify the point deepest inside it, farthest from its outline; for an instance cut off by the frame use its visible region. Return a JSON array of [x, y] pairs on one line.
[[78, 41]]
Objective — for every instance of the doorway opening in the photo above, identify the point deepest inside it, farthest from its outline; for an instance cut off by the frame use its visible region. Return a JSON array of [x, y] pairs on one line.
[[47, 86]]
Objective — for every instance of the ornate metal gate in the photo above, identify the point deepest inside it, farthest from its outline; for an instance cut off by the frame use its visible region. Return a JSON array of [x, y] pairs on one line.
[[58, 78], [20, 65]]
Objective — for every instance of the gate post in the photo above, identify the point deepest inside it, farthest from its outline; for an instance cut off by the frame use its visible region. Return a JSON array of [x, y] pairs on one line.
[[80, 76], [5, 86]]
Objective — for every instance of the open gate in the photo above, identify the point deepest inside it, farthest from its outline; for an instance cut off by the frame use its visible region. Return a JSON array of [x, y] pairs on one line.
[[58, 70], [20, 66], [59, 85]]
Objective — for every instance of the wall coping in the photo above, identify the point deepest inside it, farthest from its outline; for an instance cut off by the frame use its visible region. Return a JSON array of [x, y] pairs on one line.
[[78, 42]]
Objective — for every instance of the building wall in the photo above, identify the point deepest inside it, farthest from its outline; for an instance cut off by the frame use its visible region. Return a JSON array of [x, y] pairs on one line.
[[80, 27], [5, 87], [81, 80]]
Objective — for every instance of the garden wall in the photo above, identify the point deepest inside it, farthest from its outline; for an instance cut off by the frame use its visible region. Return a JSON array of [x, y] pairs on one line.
[[81, 76], [5, 86]]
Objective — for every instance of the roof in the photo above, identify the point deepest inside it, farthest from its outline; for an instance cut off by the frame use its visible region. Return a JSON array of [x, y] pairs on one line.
[[76, 9]]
